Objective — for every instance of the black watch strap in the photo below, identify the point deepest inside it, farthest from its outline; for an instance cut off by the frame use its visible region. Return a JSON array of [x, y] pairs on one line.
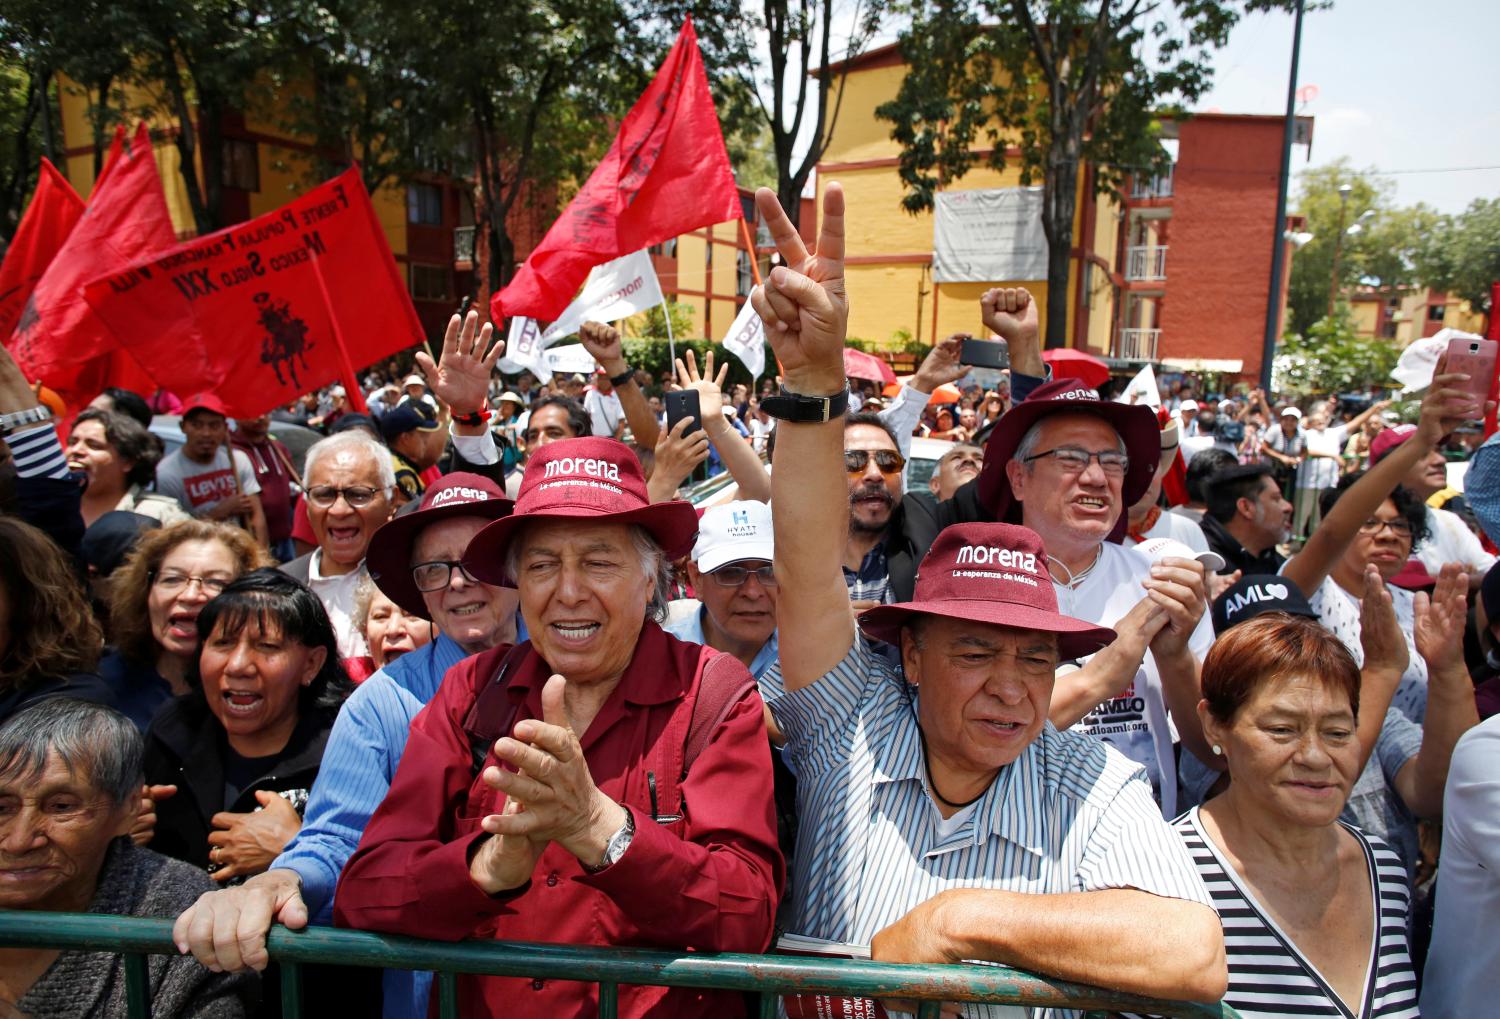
[[786, 406], [622, 378]]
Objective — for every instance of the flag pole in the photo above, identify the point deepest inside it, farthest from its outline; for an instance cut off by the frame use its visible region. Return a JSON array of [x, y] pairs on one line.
[[750, 246], [351, 384], [666, 314]]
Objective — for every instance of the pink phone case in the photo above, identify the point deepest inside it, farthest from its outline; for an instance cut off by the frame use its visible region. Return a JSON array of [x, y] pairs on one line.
[[1475, 358]]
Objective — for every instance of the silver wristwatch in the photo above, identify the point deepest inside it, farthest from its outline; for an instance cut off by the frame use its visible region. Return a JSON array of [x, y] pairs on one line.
[[618, 843], [21, 418]]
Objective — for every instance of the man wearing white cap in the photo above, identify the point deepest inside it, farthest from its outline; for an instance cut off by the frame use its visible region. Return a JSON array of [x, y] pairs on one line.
[[416, 390], [1284, 447], [1187, 413]]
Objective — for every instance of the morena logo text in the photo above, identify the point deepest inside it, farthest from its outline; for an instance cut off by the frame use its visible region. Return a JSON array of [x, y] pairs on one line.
[[988, 555], [583, 465]]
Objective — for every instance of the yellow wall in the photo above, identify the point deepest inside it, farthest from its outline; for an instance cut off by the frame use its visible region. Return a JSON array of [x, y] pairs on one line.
[[1366, 314]]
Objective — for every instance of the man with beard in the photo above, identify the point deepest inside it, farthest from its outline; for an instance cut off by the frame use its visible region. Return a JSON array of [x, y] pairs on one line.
[[955, 468], [873, 462], [1247, 517]]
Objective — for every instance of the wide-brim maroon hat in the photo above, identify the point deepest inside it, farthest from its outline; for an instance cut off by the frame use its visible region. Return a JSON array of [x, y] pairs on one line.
[[988, 573], [589, 480], [1136, 425], [389, 556]]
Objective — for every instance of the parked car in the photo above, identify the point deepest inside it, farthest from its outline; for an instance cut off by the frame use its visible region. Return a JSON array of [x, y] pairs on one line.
[[168, 428]]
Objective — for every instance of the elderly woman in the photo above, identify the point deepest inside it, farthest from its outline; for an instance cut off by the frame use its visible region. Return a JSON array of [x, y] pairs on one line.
[[244, 745], [1314, 910], [69, 774], [155, 598], [49, 641], [118, 457], [389, 630], [566, 789]]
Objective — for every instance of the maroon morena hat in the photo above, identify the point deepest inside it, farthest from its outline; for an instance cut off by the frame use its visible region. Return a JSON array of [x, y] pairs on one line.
[[1136, 425], [204, 401], [988, 573], [454, 495], [1388, 440], [589, 479]]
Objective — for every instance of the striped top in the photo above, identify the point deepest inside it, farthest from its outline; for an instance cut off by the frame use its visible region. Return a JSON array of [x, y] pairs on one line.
[[1268, 976], [1069, 815]]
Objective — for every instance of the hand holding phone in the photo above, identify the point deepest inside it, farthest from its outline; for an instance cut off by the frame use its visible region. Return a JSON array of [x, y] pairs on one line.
[[1476, 358], [983, 353], [683, 403]]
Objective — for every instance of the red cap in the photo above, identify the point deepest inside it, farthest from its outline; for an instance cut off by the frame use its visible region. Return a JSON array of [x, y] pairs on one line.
[[1388, 440], [988, 573], [1413, 577], [590, 479], [204, 401], [454, 495], [1136, 425]]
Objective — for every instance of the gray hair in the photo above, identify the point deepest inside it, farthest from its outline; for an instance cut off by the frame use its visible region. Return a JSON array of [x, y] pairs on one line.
[[1033, 437], [654, 564], [364, 594], [96, 742], [355, 440]]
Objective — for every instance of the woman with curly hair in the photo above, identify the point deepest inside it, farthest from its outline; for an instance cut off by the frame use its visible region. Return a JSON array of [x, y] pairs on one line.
[[154, 602], [49, 641], [119, 458]]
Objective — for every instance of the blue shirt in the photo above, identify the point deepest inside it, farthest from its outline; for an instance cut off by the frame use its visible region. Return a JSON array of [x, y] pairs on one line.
[[1482, 486], [363, 752], [690, 629]]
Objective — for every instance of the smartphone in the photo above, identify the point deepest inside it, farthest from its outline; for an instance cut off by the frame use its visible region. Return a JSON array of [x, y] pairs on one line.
[[984, 353], [1476, 358], [683, 403]]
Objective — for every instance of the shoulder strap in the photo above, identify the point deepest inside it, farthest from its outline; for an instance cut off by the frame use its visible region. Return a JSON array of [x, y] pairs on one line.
[[494, 713], [721, 682]]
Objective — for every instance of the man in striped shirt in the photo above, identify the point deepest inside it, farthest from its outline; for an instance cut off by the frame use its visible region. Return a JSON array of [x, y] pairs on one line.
[[958, 824]]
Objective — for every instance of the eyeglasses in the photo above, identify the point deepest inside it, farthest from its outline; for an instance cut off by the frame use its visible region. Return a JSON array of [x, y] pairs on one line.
[[734, 576], [438, 574], [1372, 527], [1072, 460], [887, 461], [357, 495], [174, 582]]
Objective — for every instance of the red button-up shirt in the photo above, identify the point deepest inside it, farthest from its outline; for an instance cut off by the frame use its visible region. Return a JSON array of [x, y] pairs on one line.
[[709, 882]]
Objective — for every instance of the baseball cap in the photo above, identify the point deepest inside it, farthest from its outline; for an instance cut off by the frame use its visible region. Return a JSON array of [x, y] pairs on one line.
[[204, 401], [1291, 412], [1252, 595], [732, 532], [1388, 440], [403, 419], [1188, 405], [110, 538], [1167, 548], [987, 573], [414, 380]]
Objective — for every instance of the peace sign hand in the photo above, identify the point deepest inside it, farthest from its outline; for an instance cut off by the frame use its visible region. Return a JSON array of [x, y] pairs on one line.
[[803, 303], [461, 378]]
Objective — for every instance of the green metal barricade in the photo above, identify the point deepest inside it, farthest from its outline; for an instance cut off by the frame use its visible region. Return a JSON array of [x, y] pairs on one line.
[[768, 975]]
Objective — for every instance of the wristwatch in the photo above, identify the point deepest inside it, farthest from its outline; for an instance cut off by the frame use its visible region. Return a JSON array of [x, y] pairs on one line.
[[788, 406], [622, 378], [618, 843], [21, 418]]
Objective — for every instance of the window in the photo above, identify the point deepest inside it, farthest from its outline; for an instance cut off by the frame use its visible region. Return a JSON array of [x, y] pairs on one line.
[[746, 281], [667, 248], [1436, 312], [424, 204], [429, 283], [241, 164]]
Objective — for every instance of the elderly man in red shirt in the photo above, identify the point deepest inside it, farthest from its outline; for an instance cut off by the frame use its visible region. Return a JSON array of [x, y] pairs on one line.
[[602, 783]]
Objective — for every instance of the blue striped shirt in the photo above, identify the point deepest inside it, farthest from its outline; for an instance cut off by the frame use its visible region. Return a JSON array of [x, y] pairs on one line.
[[359, 762], [1069, 815]]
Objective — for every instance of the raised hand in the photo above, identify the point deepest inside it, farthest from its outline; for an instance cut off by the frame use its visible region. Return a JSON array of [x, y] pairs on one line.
[[803, 303], [710, 387], [1445, 406], [941, 365], [603, 341], [461, 378], [1012, 314], [677, 456], [1380, 633], [1441, 617]]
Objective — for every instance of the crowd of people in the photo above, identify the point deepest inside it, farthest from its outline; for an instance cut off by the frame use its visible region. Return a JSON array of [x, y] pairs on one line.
[[1192, 704]]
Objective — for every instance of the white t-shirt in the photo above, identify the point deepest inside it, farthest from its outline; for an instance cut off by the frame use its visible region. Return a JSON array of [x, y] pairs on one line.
[[201, 487], [1339, 611], [1320, 472], [1177, 527], [1451, 542], [337, 595], [1134, 723], [605, 412]]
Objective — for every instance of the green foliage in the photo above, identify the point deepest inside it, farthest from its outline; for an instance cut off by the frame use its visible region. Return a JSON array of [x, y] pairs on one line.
[[1462, 253], [653, 355], [1332, 358], [652, 324]]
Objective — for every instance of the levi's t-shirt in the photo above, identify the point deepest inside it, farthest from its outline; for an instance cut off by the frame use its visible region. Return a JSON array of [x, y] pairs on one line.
[[201, 487]]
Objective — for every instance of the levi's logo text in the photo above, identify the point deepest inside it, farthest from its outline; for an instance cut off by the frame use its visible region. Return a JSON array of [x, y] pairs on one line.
[[209, 489], [583, 465], [988, 555]]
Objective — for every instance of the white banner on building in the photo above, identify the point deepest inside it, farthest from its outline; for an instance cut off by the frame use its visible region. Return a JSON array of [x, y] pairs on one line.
[[989, 235], [523, 350], [614, 290], [746, 340], [1142, 390]]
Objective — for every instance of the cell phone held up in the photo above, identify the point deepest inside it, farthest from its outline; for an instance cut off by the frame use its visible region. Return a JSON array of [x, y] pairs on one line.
[[683, 403], [1476, 358], [983, 353]]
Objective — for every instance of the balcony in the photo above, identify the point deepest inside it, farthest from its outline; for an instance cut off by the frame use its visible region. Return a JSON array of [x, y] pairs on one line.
[[1146, 263], [1137, 344], [463, 243], [1152, 187]]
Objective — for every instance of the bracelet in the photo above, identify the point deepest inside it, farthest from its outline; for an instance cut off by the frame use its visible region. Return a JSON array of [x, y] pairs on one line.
[[479, 417], [21, 418], [622, 378]]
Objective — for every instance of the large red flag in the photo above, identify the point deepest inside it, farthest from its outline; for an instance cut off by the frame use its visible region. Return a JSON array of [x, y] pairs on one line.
[[54, 210], [666, 173], [58, 339], [269, 309]]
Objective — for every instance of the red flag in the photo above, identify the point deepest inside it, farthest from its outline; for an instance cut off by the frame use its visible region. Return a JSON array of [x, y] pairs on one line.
[[54, 210], [666, 173], [261, 312], [58, 339]]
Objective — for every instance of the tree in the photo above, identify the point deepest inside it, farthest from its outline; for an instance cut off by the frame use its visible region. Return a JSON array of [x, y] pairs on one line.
[[1332, 358], [1462, 253], [1065, 81]]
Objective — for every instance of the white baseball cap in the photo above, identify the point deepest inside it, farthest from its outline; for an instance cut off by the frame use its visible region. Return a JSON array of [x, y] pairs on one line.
[[1188, 405], [414, 380], [733, 532], [1291, 412], [1166, 548]]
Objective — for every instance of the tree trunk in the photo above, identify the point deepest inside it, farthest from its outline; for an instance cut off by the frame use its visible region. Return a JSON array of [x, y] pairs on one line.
[[100, 113], [187, 136], [211, 152], [1059, 202]]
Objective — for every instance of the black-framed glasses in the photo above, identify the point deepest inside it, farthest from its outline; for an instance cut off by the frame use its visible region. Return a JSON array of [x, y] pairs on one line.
[[734, 576], [355, 495], [887, 461], [438, 574], [171, 583], [1073, 460], [1399, 527]]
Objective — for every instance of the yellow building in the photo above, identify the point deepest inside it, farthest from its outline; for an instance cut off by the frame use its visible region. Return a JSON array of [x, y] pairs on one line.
[[1406, 315]]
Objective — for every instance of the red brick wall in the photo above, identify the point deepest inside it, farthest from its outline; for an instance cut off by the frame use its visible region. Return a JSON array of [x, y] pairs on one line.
[[1219, 260]]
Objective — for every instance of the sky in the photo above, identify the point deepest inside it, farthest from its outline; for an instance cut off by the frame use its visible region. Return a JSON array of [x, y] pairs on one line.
[[1401, 85]]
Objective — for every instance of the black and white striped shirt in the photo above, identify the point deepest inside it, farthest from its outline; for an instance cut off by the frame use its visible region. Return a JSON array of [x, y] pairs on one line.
[[1269, 976]]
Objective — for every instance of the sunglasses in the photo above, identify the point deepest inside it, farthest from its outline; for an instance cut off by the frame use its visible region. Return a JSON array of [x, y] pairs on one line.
[[887, 461]]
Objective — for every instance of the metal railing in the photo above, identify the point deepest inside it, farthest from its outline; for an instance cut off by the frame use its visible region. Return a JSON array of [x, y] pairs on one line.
[[1137, 344], [769, 975], [463, 243], [1159, 186], [1146, 262]]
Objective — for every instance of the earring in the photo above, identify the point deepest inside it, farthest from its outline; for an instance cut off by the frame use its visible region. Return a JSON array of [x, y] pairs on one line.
[[1218, 750]]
